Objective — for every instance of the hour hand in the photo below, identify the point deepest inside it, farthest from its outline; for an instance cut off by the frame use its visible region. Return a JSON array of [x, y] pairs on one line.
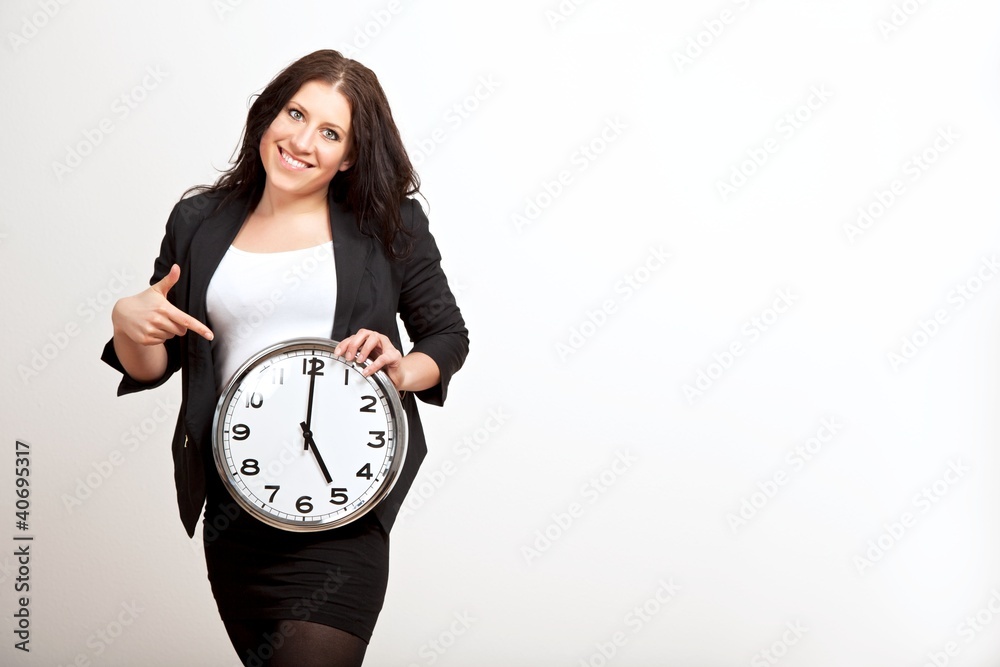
[[311, 444]]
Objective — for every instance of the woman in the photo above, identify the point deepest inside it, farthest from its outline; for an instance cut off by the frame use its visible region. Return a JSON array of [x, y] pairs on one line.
[[321, 182]]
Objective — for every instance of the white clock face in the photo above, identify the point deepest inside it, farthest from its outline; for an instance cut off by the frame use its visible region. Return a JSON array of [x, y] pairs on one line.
[[304, 441]]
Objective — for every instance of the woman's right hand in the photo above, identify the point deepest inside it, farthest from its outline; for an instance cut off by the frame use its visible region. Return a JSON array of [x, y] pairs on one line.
[[147, 318]]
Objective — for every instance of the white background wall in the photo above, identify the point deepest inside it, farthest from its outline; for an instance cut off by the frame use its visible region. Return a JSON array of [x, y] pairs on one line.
[[604, 511]]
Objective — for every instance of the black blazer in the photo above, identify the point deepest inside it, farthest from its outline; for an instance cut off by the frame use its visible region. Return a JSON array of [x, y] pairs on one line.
[[371, 289]]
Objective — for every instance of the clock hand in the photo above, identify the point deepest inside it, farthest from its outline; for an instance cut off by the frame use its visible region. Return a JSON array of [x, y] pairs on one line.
[[307, 435], [309, 405], [307, 431]]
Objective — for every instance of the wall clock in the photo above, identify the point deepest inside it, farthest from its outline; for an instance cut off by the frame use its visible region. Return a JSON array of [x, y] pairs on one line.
[[303, 441]]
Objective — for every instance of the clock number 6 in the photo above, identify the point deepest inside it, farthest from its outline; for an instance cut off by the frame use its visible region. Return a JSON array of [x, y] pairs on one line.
[[303, 505]]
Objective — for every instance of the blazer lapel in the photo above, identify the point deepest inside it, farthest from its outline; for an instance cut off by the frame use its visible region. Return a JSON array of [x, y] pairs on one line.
[[208, 246], [352, 251]]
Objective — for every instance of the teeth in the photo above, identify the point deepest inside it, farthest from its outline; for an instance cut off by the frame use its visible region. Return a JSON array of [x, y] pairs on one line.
[[292, 161]]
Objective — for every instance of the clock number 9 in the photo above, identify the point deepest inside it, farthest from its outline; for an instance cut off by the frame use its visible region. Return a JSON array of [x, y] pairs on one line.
[[241, 432]]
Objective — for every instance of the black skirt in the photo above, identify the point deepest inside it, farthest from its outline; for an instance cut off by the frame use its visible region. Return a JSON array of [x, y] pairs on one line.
[[335, 577]]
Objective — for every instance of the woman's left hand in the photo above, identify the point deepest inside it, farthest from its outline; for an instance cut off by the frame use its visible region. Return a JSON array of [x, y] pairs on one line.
[[367, 344]]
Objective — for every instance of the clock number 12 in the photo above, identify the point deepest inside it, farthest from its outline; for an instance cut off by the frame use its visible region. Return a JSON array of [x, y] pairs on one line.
[[315, 366]]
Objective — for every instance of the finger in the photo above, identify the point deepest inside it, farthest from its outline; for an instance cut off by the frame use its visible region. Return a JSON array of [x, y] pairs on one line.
[[370, 345], [342, 347], [350, 345], [156, 337], [388, 356], [168, 281], [182, 319], [376, 365], [388, 362], [164, 327]]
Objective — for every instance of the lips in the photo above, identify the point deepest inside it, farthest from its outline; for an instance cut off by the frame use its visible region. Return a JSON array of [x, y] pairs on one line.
[[291, 162]]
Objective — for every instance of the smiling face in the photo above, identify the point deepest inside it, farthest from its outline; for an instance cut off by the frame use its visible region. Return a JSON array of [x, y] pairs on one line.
[[308, 142]]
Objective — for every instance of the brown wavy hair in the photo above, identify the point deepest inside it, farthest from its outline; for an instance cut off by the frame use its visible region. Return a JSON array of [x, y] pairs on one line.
[[379, 179]]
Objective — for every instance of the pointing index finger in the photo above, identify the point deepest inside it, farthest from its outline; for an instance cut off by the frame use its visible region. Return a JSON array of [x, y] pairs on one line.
[[183, 319]]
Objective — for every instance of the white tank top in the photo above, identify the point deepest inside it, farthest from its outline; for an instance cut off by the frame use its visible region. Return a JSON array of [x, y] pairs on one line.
[[257, 299]]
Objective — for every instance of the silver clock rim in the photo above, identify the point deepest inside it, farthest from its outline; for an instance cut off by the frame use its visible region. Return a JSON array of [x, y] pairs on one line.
[[398, 416]]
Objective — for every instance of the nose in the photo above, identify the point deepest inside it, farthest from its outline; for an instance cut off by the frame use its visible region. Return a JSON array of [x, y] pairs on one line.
[[302, 140]]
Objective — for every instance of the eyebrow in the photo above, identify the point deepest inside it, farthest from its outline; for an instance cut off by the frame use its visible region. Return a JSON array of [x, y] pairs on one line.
[[303, 108]]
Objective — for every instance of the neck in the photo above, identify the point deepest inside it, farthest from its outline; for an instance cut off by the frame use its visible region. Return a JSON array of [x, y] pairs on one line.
[[281, 204]]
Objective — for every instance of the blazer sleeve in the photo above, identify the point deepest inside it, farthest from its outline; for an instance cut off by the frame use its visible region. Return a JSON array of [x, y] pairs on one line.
[[161, 267], [428, 308]]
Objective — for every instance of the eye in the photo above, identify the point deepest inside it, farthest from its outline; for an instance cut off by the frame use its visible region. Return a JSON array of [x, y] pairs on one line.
[[331, 135], [296, 114]]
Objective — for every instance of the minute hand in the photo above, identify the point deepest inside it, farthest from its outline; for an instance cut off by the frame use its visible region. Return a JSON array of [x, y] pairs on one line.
[[311, 444]]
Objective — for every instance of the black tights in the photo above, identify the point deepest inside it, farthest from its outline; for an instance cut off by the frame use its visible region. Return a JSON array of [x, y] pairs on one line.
[[267, 643]]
